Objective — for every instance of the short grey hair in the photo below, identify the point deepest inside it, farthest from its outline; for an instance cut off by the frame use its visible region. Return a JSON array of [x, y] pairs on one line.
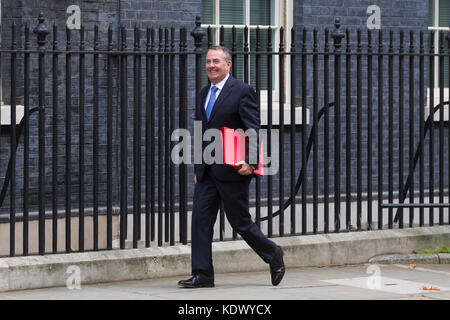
[[225, 50]]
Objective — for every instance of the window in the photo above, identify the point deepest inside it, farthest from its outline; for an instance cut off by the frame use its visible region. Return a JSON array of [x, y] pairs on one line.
[[6, 114], [439, 21], [253, 14], [240, 13], [5, 110]]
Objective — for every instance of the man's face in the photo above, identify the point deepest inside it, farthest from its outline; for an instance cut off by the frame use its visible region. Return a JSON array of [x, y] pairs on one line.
[[217, 67]]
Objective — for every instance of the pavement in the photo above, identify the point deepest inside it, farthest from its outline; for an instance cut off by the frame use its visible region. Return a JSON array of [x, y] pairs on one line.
[[349, 282]]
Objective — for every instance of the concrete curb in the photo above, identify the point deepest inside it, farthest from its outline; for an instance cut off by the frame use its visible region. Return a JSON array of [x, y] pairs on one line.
[[432, 258], [20, 273]]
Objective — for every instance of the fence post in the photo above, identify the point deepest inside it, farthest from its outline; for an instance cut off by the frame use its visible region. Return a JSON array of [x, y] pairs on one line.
[[326, 134], [348, 128], [281, 137], [448, 70], [95, 142], [293, 79], [183, 124], [55, 72], [109, 147], [68, 141], [337, 36], [431, 143], [137, 139], [26, 142], [369, 128], [12, 207], [198, 33], [303, 133], [315, 178], [41, 31], [81, 148], [123, 138], [422, 128]]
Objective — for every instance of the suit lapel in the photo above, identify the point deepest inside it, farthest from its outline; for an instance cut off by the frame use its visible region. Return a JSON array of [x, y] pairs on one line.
[[226, 90], [203, 95]]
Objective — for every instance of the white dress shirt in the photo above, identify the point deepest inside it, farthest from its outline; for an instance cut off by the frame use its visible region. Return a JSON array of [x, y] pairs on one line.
[[219, 87]]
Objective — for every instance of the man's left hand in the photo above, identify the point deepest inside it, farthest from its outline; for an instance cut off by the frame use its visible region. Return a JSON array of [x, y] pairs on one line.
[[245, 169]]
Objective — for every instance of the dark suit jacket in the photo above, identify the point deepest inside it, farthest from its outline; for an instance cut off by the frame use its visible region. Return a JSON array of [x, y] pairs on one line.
[[236, 107]]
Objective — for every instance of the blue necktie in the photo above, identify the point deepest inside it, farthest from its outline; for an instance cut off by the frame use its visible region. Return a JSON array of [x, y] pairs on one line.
[[212, 100]]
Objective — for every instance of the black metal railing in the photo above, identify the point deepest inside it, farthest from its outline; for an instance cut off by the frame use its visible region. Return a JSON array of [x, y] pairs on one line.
[[97, 158]]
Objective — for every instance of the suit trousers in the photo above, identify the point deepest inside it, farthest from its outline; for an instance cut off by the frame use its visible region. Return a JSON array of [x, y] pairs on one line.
[[208, 195]]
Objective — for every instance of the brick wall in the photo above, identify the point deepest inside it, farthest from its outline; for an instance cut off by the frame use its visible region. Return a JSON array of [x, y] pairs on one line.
[[396, 16], [311, 14], [103, 13]]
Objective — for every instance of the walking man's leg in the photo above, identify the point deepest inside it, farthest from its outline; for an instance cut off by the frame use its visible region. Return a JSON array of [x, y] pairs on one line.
[[235, 198], [204, 213]]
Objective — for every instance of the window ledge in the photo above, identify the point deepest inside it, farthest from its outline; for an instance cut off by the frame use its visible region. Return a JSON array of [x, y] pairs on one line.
[[6, 114], [436, 117], [286, 114], [437, 113]]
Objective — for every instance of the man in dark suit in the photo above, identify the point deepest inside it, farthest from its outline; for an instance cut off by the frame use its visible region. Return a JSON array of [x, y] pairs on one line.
[[231, 103]]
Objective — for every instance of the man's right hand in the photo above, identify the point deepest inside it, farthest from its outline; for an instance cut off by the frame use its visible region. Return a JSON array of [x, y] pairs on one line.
[[195, 179]]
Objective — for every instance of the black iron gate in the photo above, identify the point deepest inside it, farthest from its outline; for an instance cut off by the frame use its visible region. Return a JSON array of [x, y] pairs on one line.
[[363, 146]]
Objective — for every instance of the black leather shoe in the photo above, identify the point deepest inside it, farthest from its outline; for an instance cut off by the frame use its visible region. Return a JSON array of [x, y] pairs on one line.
[[277, 268], [197, 281]]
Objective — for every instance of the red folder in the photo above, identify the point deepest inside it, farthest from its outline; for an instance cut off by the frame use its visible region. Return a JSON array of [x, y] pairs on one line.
[[234, 148]]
